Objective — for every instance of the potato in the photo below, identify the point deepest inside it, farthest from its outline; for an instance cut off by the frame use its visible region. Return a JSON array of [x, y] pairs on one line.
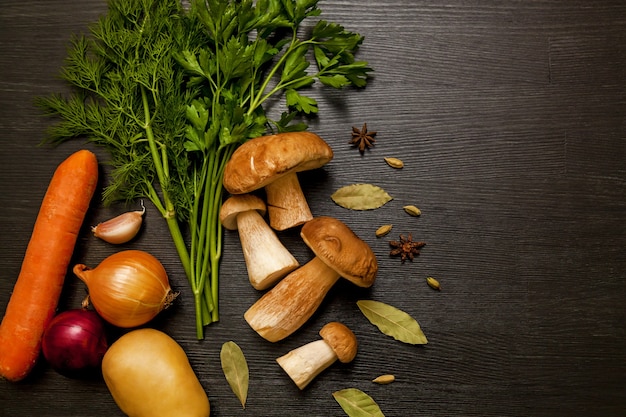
[[149, 375]]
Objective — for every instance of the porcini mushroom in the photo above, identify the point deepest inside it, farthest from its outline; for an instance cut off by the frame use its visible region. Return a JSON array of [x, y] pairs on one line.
[[303, 364], [339, 253], [273, 162], [267, 259]]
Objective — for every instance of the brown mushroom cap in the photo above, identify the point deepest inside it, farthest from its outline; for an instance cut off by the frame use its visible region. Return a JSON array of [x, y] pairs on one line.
[[341, 340], [260, 161], [237, 204], [342, 250]]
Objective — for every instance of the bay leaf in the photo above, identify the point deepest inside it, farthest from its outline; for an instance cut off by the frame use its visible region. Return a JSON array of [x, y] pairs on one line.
[[235, 370], [393, 322], [356, 403], [361, 197]]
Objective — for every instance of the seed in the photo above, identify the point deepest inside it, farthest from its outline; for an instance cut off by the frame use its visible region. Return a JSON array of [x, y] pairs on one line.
[[394, 162], [383, 230], [433, 283], [412, 210], [384, 379]]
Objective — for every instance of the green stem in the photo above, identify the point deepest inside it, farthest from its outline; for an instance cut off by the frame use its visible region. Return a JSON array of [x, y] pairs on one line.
[[260, 98], [198, 227], [210, 222], [204, 238], [213, 236], [197, 298], [167, 207], [216, 253], [179, 243]]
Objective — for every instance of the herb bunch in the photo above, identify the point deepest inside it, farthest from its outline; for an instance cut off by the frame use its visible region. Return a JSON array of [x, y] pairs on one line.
[[171, 92]]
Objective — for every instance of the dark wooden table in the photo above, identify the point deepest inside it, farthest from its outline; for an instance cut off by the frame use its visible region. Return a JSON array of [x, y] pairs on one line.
[[511, 120]]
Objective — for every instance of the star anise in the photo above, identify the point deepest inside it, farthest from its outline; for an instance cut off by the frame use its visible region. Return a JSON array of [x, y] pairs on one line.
[[362, 139], [406, 248]]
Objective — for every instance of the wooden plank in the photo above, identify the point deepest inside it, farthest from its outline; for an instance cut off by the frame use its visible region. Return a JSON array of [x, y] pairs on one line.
[[509, 117]]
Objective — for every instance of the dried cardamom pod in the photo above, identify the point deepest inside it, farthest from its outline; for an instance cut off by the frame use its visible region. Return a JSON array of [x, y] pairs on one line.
[[433, 283], [384, 379], [412, 210], [383, 230], [394, 162]]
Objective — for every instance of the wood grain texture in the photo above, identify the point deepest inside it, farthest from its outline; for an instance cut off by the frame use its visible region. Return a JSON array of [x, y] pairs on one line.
[[510, 119]]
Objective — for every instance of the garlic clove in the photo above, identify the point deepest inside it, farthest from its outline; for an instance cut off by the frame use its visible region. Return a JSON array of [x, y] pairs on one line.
[[120, 229]]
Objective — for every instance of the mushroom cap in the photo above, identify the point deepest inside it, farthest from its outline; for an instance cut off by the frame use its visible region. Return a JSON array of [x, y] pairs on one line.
[[261, 160], [238, 204], [341, 340], [342, 250]]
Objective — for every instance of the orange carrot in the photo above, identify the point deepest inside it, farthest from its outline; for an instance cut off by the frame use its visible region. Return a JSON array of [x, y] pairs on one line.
[[36, 293]]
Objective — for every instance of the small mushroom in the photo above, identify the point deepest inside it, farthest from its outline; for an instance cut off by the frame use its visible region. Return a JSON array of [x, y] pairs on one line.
[[267, 260], [273, 162], [339, 253], [303, 364]]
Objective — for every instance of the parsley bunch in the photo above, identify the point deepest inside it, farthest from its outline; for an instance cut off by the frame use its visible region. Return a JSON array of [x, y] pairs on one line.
[[172, 92]]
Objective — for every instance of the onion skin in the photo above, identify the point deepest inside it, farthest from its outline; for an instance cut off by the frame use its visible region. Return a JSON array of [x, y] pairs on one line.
[[128, 289], [75, 342]]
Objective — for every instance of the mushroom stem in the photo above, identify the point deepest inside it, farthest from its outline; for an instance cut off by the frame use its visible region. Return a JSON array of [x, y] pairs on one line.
[[303, 364], [286, 307], [273, 261], [306, 362], [286, 205]]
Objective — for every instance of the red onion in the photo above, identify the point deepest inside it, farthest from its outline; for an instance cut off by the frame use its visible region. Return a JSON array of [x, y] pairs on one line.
[[75, 342]]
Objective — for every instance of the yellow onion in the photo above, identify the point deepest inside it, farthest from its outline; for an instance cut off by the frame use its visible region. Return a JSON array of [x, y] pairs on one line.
[[127, 289]]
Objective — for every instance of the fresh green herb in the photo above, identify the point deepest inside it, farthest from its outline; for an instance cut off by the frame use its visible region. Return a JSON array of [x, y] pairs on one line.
[[171, 92]]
